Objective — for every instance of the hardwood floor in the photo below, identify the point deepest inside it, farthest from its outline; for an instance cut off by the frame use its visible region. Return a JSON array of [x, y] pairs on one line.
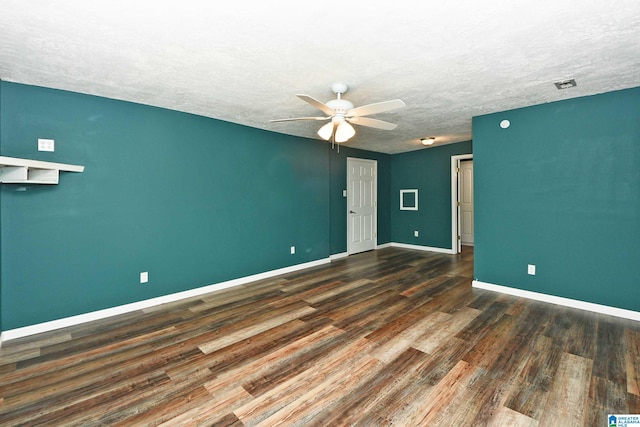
[[390, 337]]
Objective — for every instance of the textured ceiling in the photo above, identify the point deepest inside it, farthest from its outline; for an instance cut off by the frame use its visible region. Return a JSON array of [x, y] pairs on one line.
[[244, 61]]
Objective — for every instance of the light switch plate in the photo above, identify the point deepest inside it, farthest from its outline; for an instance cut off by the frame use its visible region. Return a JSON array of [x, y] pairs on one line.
[[531, 269], [144, 277], [46, 144]]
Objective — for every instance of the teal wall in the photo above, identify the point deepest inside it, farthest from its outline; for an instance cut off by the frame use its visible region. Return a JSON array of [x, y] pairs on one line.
[[560, 188], [428, 170], [339, 203], [197, 201], [1, 309], [190, 199]]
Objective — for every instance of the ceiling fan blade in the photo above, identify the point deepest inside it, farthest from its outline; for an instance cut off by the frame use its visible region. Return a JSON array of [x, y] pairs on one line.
[[378, 107], [319, 105], [372, 123], [300, 118]]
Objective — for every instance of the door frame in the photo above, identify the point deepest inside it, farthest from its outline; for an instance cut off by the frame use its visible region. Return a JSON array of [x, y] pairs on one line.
[[375, 202], [456, 245]]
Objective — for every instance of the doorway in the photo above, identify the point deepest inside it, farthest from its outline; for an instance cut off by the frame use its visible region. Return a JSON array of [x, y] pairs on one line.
[[466, 202], [457, 211], [362, 184]]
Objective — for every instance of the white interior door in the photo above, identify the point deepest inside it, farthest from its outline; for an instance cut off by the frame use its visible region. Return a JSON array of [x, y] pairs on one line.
[[466, 202], [361, 205]]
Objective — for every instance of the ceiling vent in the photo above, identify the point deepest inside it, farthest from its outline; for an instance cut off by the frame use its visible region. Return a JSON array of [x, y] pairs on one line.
[[565, 84]]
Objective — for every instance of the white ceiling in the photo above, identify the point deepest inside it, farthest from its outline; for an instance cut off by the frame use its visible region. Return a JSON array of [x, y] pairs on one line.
[[244, 61]]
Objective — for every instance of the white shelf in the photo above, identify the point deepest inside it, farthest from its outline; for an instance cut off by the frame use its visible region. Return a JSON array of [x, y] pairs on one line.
[[24, 171]]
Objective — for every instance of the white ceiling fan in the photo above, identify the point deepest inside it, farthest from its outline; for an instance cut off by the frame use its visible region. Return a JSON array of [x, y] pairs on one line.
[[342, 113]]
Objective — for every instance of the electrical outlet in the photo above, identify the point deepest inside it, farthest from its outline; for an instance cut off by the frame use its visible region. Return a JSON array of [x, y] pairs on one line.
[[144, 277], [293, 250], [416, 234], [531, 270]]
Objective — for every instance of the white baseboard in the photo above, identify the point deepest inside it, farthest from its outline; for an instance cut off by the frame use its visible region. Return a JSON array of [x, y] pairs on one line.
[[423, 248], [338, 256], [384, 245], [566, 302], [25, 331]]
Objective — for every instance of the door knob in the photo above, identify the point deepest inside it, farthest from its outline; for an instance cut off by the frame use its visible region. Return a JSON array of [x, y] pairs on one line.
[[351, 212]]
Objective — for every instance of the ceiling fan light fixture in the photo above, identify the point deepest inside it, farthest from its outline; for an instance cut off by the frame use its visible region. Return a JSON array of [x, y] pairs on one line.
[[428, 141], [341, 111], [325, 131], [344, 132]]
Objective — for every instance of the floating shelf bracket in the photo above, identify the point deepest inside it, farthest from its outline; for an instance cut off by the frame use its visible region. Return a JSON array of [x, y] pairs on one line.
[[24, 171]]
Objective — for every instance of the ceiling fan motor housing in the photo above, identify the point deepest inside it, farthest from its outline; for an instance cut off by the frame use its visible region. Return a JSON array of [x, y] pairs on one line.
[[341, 106]]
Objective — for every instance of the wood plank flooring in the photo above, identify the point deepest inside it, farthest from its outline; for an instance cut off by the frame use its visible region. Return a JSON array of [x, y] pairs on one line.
[[389, 337]]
